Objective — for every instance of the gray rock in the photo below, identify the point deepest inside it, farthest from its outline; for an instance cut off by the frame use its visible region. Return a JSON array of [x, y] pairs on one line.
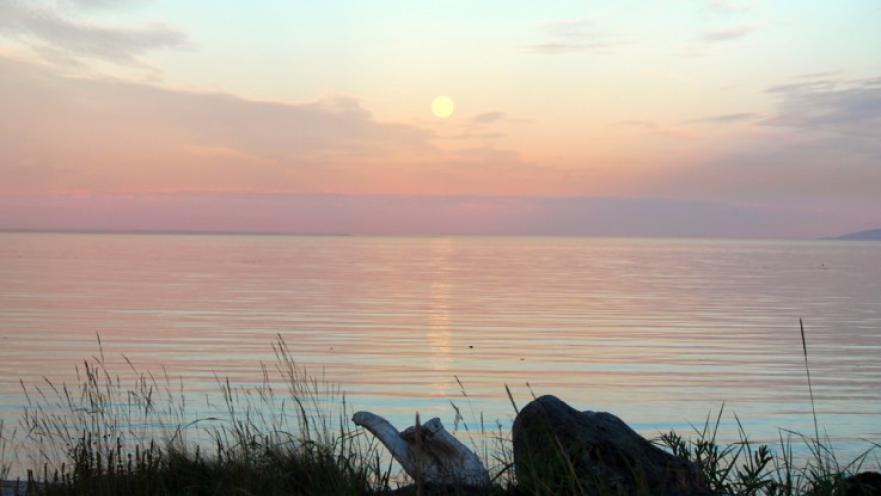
[[559, 450], [863, 484]]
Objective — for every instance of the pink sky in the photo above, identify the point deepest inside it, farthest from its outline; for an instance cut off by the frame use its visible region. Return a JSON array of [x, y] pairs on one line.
[[106, 124]]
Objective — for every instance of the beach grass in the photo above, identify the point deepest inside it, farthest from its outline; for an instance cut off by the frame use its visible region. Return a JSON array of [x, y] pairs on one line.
[[131, 434], [5, 438]]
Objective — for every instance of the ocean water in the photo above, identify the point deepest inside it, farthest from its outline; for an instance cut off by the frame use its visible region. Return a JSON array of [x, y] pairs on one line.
[[660, 332]]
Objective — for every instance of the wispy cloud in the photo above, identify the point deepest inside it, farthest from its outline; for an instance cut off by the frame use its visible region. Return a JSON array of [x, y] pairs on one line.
[[496, 117], [820, 74], [489, 117], [66, 134], [729, 34], [850, 108], [726, 118], [573, 36], [483, 126], [46, 28], [731, 6], [95, 4], [164, 138], [638, 124], [479, 136], [820, 144], [658, 129]]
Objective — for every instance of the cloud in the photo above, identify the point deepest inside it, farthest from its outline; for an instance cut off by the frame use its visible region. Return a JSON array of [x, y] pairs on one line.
[[820, 74], [846, 108], [489, 117], [95, 4], [61, 134], [819, 146], [568, 27], [479, 126], [64, 135], [658, 129], [729, 34], [726, 118], [639, 124], [573, 36], [732, 6], [48, 29], [563, 47], [472, 135]]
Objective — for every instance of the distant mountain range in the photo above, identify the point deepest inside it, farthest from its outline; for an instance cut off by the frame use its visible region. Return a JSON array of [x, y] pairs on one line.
[[869, 234]]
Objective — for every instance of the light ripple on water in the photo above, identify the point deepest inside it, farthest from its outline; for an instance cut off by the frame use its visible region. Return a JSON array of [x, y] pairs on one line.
[[659, 332]]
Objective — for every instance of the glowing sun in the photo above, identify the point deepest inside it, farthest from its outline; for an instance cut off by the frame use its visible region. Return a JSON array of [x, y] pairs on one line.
[[442, 106]]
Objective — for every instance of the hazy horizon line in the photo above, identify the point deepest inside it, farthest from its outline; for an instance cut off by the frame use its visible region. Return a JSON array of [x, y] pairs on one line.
[[180, 232]]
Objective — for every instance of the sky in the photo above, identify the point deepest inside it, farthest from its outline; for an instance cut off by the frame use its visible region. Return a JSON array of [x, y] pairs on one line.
[[722, 118]]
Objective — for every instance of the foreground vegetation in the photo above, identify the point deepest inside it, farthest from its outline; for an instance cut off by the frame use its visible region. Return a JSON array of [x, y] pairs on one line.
[[111, 436]]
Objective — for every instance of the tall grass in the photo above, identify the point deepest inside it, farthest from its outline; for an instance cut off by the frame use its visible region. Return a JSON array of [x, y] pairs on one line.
[[747, 468], [5, 463], [130, 434], [291, 434]]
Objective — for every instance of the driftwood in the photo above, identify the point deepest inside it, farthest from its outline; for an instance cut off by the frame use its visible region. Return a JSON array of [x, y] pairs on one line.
[[427, 452]]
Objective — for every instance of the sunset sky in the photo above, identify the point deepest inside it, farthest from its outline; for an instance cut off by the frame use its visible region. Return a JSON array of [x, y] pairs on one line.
[[665, 118]]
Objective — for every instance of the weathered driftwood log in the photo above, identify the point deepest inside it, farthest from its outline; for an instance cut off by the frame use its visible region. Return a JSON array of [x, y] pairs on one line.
[[427, 452]]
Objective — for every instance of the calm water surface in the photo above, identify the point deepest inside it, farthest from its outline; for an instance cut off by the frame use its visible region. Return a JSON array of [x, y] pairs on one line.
[[659, 332]]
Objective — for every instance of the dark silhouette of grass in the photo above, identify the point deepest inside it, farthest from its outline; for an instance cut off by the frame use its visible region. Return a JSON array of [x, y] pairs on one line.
[[107, 437]]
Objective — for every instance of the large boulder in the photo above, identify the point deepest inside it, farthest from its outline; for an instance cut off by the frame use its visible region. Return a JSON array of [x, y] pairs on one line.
[[863, 484], [560, 450]]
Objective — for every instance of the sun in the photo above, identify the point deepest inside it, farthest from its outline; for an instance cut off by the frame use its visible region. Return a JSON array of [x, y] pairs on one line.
[[442, 107]]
